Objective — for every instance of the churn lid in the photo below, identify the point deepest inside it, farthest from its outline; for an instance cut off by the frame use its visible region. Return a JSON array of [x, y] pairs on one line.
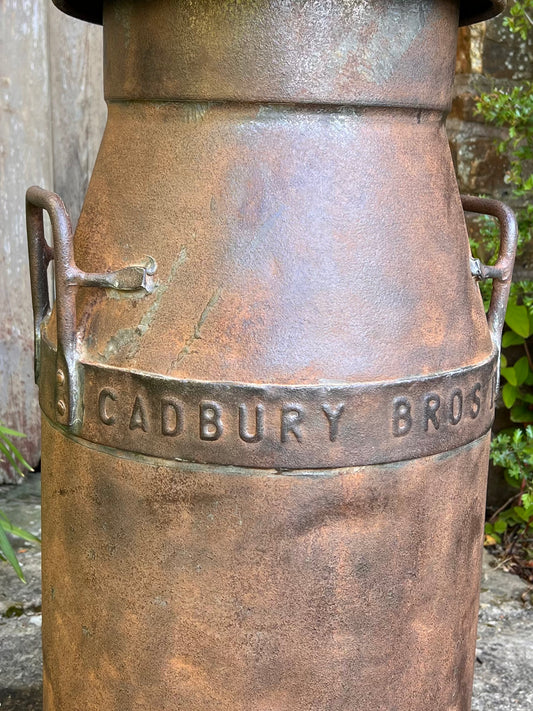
[[471, 10]]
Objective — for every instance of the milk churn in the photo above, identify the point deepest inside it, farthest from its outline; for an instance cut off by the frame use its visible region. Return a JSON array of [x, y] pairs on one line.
[[268, 380]]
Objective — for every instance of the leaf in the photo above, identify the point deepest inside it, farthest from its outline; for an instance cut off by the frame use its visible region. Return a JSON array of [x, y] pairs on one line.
[[521, 413], [492, 540], [9, 554], [510, 338], [19, 532], [7, 453], [509, 394], [11, 452], [526, 397], [527, 501], [513, 478], [510, 375], [517, 318], [521, 368], [520, 514], [500, 526], [10, 433]]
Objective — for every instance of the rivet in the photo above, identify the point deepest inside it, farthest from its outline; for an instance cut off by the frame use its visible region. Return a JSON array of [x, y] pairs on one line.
[[61, 407], [60, 377]]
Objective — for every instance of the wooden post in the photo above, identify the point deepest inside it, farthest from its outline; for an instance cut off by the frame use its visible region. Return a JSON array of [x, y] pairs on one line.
[[51, 120]]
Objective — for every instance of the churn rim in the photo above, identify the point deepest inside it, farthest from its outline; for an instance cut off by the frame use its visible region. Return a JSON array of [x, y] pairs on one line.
[[471, 10]]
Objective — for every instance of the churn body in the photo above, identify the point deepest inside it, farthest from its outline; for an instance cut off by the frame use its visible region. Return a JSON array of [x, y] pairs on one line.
[[268, 380]]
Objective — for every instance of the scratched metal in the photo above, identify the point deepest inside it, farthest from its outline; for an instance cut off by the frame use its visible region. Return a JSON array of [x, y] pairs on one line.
[[285, 165]]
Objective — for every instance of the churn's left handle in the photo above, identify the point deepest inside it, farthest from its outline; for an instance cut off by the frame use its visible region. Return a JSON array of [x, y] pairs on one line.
[[40, 255], [68, 278], [502, 272], [67, 385]]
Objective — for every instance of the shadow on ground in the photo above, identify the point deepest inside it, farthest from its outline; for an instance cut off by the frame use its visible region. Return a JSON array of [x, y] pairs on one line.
[[21, 699]]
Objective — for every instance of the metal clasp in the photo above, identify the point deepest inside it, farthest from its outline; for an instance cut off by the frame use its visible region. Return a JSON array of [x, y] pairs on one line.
[[68, 278]]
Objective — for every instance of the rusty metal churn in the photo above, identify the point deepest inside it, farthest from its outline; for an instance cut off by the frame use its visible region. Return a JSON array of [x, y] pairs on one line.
[[268, 380]]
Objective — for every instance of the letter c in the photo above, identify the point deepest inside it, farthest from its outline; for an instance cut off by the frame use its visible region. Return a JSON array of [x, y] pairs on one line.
[[106, 394]]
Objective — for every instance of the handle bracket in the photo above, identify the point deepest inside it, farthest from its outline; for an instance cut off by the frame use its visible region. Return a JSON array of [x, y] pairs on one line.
[[68, 278]]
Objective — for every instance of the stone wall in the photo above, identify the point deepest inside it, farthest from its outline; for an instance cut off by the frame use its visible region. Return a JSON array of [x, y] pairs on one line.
[[489, 56]]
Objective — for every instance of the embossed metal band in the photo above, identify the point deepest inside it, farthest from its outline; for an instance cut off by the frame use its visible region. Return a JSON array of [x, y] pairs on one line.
[[280, 426]]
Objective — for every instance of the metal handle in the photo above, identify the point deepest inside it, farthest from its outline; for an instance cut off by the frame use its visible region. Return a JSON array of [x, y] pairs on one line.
[[68, 278], [40, 255], [502, 272]]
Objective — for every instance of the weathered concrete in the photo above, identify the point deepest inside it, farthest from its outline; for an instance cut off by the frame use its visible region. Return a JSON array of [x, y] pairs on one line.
[[20, 605], [504, 669]]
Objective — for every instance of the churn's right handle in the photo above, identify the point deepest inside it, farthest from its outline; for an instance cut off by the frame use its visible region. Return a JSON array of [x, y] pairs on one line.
[[502, 271]]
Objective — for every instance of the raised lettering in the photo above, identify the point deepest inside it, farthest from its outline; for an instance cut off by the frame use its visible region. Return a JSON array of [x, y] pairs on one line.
[[476, 402], [211, 427], [401, 417], [138, 418], [105, 395], [291, 418], [333, 417], [171, 417], [431, 405], [456, 407], [259, 424]]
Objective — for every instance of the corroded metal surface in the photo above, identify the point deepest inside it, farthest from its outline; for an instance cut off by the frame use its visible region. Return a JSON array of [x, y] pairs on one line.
[[68, 278], [173, 586], [271, 496], [285, 253], [278, 426], [502, 271], [471, 10]]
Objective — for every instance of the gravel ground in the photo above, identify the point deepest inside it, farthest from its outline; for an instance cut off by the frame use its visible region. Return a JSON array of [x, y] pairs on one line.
[[504, 667], [20, 605]]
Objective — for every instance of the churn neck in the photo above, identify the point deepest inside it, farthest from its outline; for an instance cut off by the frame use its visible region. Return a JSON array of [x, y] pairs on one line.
[[471, 11], [399, 53]]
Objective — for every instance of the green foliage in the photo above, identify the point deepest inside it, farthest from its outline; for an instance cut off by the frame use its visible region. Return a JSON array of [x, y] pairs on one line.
[[15, 458], [512, 110], [516, 362], [520, 18], [513, 451]]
